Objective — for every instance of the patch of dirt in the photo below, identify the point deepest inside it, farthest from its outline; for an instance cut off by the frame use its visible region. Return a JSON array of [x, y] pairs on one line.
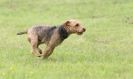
[[129, 20], [95, 17]]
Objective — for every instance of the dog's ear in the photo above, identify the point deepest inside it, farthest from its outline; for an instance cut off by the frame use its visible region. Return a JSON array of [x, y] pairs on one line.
[[67, 23]]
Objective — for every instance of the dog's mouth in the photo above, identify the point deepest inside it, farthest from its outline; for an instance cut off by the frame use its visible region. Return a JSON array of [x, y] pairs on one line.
[[79, 33]]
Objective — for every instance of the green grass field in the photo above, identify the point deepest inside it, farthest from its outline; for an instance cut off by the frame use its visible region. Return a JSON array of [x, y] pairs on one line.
[[104, 51]]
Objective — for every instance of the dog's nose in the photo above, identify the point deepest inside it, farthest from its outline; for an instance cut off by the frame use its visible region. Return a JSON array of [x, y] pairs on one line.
[[84, 29]]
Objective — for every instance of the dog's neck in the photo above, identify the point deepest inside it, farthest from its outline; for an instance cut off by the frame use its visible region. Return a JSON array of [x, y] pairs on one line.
[[63, 33]]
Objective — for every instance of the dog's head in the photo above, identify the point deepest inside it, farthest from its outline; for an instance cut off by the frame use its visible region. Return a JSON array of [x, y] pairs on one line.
[[74, 26]]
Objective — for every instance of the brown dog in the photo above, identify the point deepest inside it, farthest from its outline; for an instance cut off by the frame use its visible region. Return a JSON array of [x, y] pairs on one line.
[[51, 36]]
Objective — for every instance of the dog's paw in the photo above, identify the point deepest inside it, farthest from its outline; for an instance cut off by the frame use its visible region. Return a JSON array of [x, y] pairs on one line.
[[40, 51]]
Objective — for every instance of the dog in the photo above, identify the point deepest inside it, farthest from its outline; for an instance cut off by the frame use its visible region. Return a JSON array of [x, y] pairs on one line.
[[52, 36]]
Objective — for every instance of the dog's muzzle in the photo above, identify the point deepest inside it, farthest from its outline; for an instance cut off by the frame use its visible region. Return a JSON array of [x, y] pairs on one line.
[[81, 31]]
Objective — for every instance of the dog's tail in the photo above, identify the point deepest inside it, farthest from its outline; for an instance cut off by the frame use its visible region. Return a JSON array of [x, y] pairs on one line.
[[20, 33]]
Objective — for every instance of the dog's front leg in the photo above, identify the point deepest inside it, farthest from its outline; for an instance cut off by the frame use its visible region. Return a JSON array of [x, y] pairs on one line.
[[54, 41], [47, 52]]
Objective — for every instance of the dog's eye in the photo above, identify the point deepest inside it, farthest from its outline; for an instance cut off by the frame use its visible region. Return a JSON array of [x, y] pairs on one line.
[[77, 25]]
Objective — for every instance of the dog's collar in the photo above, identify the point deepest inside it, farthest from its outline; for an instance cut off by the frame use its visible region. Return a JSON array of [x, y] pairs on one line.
[[63, 33]]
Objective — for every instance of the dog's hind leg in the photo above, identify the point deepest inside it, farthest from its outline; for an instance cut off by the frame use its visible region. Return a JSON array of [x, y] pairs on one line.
[[33, 39]]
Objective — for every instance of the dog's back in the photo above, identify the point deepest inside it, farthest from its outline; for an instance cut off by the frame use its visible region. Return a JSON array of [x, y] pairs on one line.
[[43, 33]]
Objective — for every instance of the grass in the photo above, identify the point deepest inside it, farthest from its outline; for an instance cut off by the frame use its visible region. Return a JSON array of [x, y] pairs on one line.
[[103, 52]]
